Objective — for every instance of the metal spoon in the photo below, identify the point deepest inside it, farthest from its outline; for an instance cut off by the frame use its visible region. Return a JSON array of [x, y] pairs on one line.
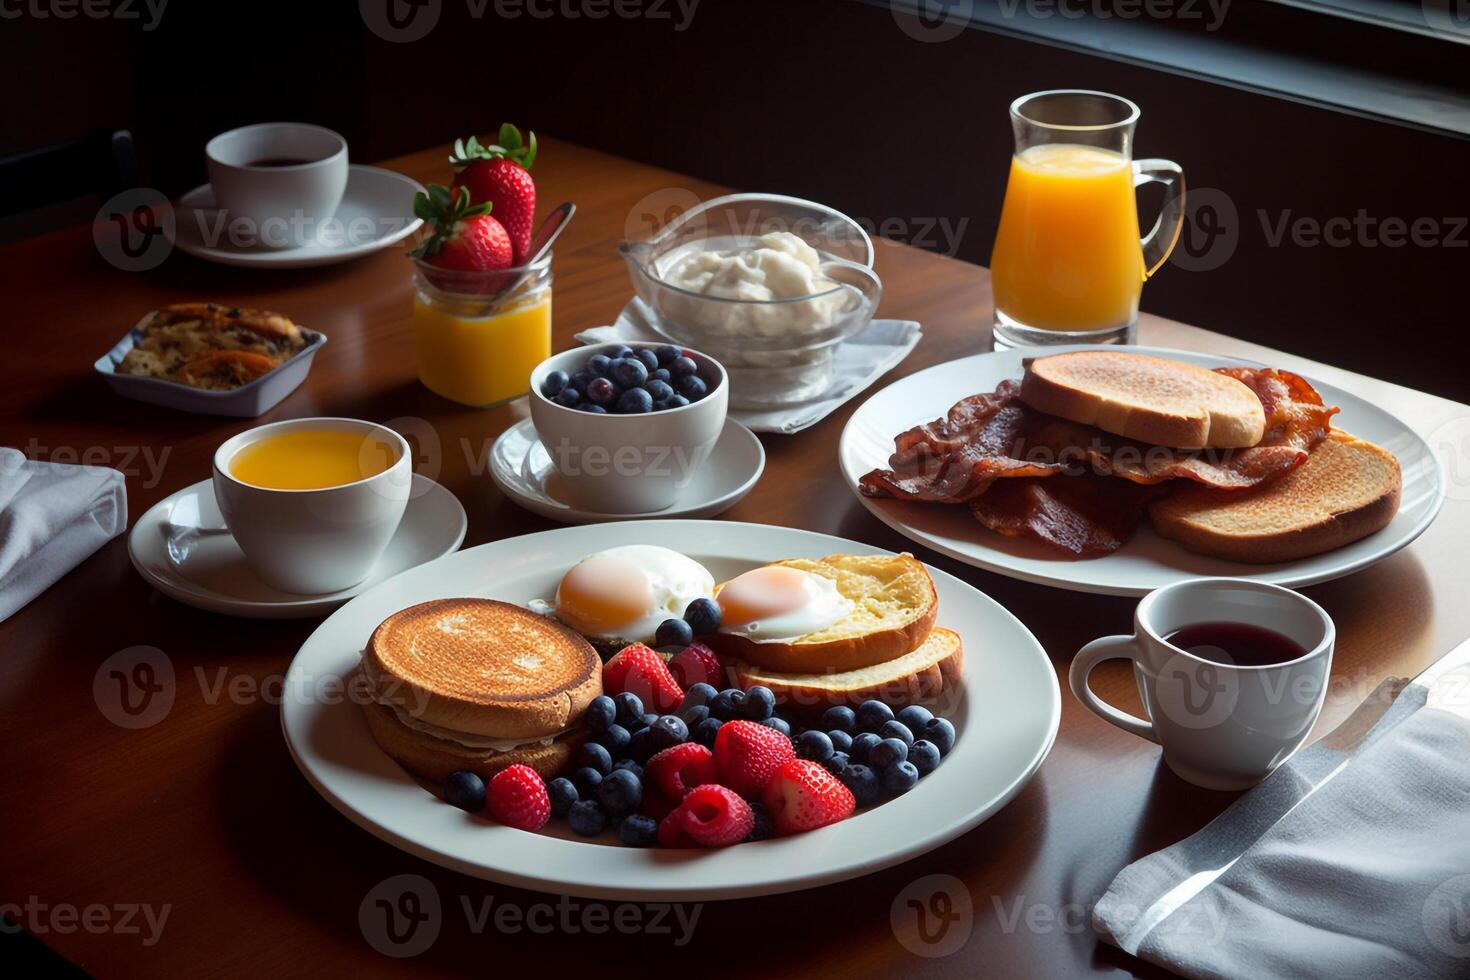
[[546, 235]]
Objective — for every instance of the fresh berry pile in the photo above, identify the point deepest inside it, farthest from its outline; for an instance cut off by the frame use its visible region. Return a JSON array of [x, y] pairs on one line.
[[689, 765], [629, 381]]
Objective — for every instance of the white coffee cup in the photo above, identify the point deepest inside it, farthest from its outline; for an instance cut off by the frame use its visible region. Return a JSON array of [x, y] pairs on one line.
[[1221, 726], [277, 206], [627, 464], [314, 541]]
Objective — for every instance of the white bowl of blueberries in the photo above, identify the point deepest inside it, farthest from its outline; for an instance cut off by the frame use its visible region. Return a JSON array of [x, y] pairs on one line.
[[627, 426]]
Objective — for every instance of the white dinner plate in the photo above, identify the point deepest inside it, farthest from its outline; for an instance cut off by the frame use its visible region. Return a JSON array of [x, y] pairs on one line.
[[1147, 561], [182, 548], [376, 212], [1006, 714]]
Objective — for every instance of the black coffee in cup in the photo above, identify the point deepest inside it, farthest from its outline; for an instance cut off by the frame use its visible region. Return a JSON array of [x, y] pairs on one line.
[[1240, 644]]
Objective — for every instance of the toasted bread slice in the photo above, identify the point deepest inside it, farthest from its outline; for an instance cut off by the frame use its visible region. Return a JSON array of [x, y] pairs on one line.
[[894, 604], [434, 758], [917, 676], [1347, 489], [482, 667], [1150, 399]]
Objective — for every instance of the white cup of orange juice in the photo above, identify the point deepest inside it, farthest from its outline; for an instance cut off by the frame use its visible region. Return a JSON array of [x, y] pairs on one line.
[[313, 503]]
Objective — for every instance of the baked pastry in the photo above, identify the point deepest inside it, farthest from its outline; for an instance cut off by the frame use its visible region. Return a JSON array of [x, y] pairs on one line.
[[209, 346]]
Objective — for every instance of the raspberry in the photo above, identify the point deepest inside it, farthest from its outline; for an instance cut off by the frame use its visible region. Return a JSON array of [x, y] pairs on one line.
[[518, 798], [677, 770], [697, 664], [748, 753], [641, 671], [710, 816]]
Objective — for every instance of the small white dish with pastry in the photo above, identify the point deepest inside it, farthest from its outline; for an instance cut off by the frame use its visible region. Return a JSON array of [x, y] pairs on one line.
[[1119, 471], [753, 710]]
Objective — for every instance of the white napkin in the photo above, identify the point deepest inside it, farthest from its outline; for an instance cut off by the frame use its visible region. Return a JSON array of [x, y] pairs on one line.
[[1345, 863], [860, 360], [52, 517]]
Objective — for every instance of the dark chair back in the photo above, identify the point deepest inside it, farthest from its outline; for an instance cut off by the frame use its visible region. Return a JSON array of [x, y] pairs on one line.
[[102, 163]]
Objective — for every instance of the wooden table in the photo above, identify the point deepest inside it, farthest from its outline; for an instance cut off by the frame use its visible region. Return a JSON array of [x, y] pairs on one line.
[[204, 814]]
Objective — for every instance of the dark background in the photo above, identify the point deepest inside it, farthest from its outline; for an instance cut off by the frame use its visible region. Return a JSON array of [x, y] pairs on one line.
[[828, 99]]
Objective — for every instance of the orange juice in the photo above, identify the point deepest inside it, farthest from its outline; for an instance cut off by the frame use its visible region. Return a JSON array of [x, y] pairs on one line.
[[311, 459], [1067, 253], [481, 360]]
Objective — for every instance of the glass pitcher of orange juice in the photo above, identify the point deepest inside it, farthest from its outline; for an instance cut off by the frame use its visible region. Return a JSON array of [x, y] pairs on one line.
[[1068, 264]]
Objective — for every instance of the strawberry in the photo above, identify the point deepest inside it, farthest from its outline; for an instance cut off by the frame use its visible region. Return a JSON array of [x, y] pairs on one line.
[[696, 664], [710, 816], [748, 753], [803, 795], [677, 770], [499, 173], [465, 239], [639, 669], [518, 798]]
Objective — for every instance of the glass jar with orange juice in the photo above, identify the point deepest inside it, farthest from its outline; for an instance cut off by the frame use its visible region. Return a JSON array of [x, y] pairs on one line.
[[478, 335], [1069, 264]]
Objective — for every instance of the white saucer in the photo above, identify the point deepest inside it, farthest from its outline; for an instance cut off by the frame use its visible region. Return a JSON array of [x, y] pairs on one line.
[[180, 546], [376, 211], [522, 469]]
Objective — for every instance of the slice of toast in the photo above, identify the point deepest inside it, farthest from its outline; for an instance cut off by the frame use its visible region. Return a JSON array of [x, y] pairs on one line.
[[893, 610], [1150, 399], [1347, 489], [917, 676]]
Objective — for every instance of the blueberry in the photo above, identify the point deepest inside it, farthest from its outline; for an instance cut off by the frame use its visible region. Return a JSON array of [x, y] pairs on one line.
[[662, 374], [643, 745], [872, 714], [586, 780], [594, 409], [705, 732], [630, 765], [759, 704], [693, 714], [841, 741], [862, 745], [916, 716], [563, 794], [840, 718], [887, 753], [615, 740], [581, 379], [698, 693], [649, 717], [899, 778], [670, 730], [599, 364], [779, 724], [638, 831], [678, 401], [667, 354], [648, 357], [703, 616], [862, 781], [629, 372], [837, 762], [924, 754], [569, 397], [620, 351], [764, 826], [586, 818], [601, 391], [814, 745], [683, 367], [940, 731], [634, 401], [630, 708], [465, 790], [659, 390], [620, 793], [673, 633], [726, 705], [601, 713], [692, 387], [896, 729], [554, 382]]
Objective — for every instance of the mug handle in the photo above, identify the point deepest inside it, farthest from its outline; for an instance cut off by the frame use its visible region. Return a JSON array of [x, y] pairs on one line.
[[1107, 648], [1160, 241]]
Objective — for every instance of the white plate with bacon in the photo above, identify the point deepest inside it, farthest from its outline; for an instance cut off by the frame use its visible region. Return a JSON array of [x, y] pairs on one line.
[[945, 484]]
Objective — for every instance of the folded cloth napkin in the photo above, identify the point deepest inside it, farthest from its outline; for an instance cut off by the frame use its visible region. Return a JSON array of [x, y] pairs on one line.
[[1347, 862], [52, 516], [860, 360]]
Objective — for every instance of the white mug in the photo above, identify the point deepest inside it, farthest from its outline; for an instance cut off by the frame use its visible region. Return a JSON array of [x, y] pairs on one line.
[[314, 541], [1221, 726], [282, 206]]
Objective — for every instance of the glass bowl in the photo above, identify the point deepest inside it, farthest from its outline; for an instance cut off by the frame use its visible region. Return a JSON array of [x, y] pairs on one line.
[[777, 352]]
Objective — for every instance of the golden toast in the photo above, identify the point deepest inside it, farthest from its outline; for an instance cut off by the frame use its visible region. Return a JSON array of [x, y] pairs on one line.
[[920, 675]]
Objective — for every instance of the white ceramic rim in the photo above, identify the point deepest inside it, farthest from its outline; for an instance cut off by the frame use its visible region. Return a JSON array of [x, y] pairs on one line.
[[212, 148], [1143, 614], [231, 447], [559, 362]]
